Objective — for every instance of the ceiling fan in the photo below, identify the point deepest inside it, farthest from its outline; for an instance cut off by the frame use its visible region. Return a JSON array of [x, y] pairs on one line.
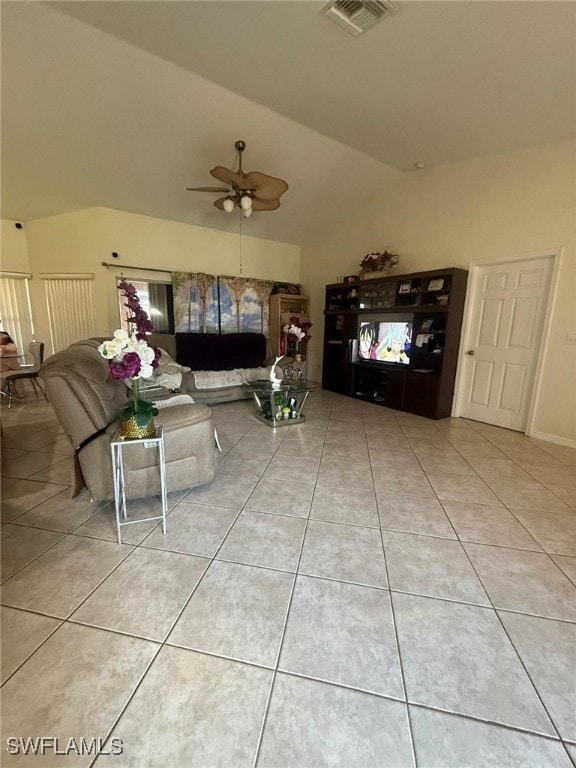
[[252, 191]]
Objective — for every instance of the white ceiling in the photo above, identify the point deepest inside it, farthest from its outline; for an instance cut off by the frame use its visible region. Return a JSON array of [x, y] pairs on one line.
[[125, 104]]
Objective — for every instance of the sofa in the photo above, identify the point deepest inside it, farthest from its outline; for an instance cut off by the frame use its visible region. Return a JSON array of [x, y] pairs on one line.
[[87, 401], [213, 367]]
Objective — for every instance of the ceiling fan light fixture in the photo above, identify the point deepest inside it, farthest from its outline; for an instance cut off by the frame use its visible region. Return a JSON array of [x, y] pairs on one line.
[[253, 191]]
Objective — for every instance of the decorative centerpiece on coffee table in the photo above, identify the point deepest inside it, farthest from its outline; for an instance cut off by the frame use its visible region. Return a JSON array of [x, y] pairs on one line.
[[131, 359]]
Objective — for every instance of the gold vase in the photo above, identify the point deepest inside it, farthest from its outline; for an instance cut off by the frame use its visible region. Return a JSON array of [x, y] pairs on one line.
[[129, 429]]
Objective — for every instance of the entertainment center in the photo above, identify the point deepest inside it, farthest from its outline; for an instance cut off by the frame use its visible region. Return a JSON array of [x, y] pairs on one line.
[[394, 340]]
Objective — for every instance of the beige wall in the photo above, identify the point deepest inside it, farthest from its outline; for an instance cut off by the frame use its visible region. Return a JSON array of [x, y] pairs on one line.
[[13, 248], [80, 241], [484, 210]]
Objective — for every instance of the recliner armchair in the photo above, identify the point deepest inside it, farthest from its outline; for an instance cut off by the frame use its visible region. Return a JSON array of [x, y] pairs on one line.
[[87, 401]]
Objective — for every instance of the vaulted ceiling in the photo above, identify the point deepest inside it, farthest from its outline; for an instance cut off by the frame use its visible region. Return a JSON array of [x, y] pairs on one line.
[[125, 104]]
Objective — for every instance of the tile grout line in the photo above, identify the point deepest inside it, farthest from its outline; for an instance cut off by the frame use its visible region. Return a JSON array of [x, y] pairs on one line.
[[62, 622], [283, 633], [115, 722], [163, 643], [397, 641], [516, 651], [25, 565]]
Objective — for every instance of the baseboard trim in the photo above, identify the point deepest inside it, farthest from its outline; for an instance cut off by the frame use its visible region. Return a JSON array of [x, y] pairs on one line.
[[552, 438]]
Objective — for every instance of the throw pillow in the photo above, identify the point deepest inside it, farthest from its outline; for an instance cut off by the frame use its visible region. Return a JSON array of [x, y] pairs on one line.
[[169, 372]]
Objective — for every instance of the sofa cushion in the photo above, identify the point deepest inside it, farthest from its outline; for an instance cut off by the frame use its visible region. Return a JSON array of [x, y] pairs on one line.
[[220, 352], [166, 341]]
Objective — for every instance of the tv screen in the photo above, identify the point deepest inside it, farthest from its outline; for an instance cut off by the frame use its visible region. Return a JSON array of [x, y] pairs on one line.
[[385, 342]]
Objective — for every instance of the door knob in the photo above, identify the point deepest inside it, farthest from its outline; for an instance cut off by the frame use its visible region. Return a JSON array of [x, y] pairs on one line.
[[470, 352]]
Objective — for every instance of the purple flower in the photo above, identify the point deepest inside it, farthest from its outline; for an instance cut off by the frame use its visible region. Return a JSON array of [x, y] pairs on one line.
[[127, 368], [133, 303], [128, 288], [140, 323]]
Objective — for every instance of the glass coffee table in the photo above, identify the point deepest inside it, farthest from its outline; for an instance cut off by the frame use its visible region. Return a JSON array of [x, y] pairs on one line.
[[280, 405]]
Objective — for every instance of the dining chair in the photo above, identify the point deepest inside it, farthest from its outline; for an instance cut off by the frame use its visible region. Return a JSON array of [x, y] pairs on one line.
[[30, 372]]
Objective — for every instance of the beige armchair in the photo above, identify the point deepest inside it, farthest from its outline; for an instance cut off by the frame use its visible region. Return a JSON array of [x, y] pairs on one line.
[[87, 402]]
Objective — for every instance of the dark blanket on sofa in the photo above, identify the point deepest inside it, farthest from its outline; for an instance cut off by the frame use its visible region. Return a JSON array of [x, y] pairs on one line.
[[214, 352]]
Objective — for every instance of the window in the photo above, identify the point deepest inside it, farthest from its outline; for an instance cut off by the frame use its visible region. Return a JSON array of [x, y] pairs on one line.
[[70, 302], [15, 309], [156, 300]]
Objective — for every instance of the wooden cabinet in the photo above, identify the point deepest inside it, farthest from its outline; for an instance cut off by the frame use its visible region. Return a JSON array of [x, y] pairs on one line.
[[342, 296], [340, 341], [283, 306], [432, 305], [379, 385]]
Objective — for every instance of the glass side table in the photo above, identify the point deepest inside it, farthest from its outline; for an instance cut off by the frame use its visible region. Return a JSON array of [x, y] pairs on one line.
[[271, 399], [118, 447]]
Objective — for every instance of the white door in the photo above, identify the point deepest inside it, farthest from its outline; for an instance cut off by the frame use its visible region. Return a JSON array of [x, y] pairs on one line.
[[504, 342]]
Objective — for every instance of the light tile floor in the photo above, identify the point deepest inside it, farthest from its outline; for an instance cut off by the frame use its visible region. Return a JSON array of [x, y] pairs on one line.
[[367, 589]]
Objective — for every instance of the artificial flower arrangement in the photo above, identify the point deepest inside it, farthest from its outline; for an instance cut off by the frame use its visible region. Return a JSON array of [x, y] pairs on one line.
[[374, 262], [297, 331], [131, 358]]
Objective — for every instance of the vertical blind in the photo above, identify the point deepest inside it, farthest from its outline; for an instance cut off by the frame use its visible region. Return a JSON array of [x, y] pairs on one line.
[[70, 302], [15, 310]]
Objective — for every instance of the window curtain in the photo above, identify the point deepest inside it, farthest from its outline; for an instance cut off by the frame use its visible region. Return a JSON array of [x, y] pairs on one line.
[[195, 296], [70, 302], [263, 289], [244, 305], [16, 310], [160, 311], [220, 304]]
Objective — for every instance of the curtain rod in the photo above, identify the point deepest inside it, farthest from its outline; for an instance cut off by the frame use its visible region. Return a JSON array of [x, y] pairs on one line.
[[142, 269]]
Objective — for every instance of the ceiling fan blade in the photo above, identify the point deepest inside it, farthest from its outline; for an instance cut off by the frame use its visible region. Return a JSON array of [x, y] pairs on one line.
[[207, 189], [230, 177], [265, 205], [267, 187]]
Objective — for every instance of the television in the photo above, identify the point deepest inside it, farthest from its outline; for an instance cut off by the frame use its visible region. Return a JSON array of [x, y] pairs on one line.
[[385, 341]]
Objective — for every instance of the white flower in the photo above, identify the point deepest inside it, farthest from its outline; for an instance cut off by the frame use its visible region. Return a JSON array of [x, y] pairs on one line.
[[145, 353], [111, 349], [146, 371], [293, 330], [122, 343]]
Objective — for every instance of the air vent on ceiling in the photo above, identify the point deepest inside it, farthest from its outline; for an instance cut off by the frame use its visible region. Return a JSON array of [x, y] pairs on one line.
[[356, 16]]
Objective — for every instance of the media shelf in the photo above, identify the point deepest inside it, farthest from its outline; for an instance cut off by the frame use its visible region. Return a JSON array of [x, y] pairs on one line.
[[342, 297], [431, 305], [385, 387]]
